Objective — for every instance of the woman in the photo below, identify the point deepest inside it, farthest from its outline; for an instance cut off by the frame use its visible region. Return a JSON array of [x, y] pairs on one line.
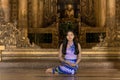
[[69, 55]]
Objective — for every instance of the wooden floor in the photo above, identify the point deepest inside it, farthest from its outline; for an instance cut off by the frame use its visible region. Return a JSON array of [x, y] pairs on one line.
[[39, 74], [25, 70]]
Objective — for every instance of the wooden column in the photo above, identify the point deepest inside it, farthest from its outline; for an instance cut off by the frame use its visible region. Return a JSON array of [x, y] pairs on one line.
[[35, 13], [22, 18], [111, 8], [55, 8], [41, 7], [100, 8], [49, 6], [6, 9], [110, 18], [102, 13]]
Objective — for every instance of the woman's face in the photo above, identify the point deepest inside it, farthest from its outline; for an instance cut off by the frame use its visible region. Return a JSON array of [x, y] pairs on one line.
[[70, 36]]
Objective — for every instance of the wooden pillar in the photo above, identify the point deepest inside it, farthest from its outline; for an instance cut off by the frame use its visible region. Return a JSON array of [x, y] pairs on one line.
[[111, 8], [35, 13], [41, 7], [100, 9], [22, 18], [51, 5], [6, 9], [102, 13], [55, 8], [110, 17]]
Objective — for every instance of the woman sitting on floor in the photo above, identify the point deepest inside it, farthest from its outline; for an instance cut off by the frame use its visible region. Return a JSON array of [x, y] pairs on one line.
[[69, 55]]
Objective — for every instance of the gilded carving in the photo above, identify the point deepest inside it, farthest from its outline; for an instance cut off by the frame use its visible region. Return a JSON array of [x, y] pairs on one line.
[[69, 12]]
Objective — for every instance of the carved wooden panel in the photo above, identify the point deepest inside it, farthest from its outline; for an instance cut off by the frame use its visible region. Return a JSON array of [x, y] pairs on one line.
[[88, 12], [50, 10]]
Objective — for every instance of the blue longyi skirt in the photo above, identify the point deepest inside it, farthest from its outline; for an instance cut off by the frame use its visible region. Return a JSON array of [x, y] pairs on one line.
[[65, 68]]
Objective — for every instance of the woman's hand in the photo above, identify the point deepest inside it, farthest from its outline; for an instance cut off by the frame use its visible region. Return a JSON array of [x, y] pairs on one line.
[[67, 62], [73, 65]]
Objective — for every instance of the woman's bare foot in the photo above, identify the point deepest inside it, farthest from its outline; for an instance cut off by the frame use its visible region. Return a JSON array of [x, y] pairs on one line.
[[50, 70]]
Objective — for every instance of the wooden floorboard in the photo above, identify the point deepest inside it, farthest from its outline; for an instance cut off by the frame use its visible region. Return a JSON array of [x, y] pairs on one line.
[[39, 74], [35, 70]]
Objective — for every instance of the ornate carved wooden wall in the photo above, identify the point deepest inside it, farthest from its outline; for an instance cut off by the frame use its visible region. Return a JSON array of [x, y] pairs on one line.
[[45, 34], [49, 10]]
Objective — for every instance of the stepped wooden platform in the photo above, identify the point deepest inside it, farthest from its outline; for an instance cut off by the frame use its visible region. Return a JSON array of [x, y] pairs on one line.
[[29, 53], [30, 64], [100, 58]]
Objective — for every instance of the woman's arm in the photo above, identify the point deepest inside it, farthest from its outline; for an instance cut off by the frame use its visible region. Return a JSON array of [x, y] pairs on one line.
[[60, 54], [79, 55]]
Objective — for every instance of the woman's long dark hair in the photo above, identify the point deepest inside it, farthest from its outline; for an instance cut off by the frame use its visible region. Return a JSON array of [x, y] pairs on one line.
[[65, 42]]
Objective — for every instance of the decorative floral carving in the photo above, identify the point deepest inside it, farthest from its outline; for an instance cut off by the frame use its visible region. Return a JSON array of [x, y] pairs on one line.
[[11, 36]]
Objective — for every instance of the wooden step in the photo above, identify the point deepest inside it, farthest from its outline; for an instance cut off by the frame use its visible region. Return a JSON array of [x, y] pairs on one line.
[[44, 58], [46, 63], [53, 53]]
